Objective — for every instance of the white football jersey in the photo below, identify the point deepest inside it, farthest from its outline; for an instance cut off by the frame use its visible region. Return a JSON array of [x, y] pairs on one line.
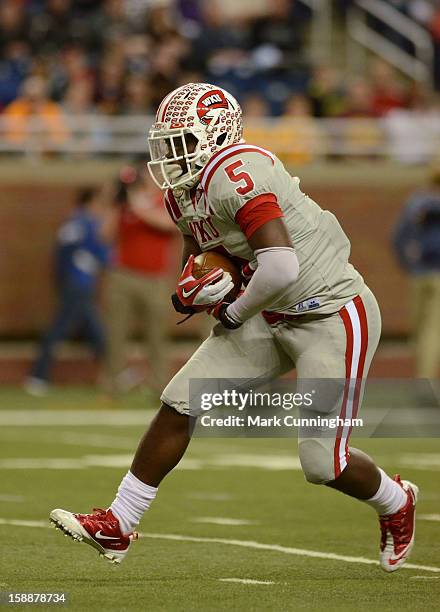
[[241, 178]]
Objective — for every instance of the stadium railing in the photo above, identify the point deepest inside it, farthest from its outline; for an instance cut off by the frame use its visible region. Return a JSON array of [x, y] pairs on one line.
[[418, 65], [402, 136]]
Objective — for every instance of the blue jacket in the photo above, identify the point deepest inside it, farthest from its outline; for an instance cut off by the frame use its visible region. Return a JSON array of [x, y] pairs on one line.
[[80, 253], [417, 234]]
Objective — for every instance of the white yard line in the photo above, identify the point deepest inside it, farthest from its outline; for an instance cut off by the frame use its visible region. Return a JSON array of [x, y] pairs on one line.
[[216, 462], [283, 549], [420, 461], [57, 463], [245, 581], [5, 497], [97, 440], [213, 462], [262, 461], [19, 523], [210, 496], [103, 418], [429, 517], [223, 520], [286, 550]]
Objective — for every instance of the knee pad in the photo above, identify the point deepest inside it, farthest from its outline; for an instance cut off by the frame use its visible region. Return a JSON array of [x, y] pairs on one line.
[[316, 457]]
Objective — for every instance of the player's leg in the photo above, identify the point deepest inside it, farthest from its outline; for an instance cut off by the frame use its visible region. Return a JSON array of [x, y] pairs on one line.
[[118, 307], [341, 348], [93, 325], [249, 352], [162, 446], [154, 294], [426, 292], [68, 312]]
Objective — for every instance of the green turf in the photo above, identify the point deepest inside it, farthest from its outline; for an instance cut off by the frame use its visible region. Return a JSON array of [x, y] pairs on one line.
[[160, 574]]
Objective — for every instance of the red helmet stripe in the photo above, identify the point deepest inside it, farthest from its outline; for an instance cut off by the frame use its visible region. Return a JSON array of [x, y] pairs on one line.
[[166, 101]]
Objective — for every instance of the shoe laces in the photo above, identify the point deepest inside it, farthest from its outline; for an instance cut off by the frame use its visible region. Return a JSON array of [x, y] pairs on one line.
[[99, 511], [100, 514], [395, 524]]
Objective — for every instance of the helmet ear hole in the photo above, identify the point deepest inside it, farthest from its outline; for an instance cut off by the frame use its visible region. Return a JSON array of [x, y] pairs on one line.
[[221, 139]]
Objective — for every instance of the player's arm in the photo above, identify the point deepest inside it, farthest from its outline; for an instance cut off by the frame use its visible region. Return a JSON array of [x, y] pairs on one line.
[[189, 247], [277, 270], [153, 216]]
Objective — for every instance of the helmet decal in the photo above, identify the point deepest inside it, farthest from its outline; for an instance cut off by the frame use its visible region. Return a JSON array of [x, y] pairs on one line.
[[210, 100], [208, 113]]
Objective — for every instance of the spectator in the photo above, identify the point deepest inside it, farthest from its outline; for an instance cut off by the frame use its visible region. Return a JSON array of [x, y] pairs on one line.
[[79, 99], [359, 99], [137, 98], [34, 103], [414, 132], [299, 131], [72, 68], [387, 91], [51, 29], [137, 55], [361, 136], [325, 92], [254, 106], [417, 245], [220, 44], [434, 28], [110, 85], [13, 20], [142, 233], [14, 66], [80, 255], [279, 33]]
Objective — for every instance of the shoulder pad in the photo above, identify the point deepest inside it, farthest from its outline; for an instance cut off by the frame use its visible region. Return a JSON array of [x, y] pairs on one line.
[[229, 153]]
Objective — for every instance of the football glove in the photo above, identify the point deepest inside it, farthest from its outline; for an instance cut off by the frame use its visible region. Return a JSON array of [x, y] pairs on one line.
[[179, 307], [205, 292], [220, 313]]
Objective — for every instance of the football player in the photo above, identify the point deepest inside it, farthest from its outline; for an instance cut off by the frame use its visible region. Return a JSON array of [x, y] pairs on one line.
[[304, 307]]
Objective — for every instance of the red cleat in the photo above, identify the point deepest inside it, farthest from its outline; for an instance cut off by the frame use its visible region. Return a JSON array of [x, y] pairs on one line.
[[397, 530], [100, 529]]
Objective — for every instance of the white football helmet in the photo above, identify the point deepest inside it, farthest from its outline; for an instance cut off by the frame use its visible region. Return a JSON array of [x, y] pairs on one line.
[[192, 123]]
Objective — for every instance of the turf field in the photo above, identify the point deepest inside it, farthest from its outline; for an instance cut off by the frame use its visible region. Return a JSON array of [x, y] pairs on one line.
[[235, 527]]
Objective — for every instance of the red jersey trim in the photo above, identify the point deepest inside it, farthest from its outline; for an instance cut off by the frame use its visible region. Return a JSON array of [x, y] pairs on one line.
[[172, 206], [219, 157], [257, 212]]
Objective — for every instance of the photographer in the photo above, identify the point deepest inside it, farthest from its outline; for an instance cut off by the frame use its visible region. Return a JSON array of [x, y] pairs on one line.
[[141, 232]]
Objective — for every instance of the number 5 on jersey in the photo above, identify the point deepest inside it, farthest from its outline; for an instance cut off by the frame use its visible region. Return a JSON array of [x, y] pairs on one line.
[[238, 177]]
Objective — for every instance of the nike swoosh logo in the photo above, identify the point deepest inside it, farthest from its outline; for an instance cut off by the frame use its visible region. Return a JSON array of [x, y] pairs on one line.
[[186, 294], [99, 535], [394, 560]]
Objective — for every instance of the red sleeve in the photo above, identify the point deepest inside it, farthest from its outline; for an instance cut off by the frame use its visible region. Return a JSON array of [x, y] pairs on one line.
[[257, 212]]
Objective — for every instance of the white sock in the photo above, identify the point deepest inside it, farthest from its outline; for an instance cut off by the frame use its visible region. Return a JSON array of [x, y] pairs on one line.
[[133, 498], [390, 496]]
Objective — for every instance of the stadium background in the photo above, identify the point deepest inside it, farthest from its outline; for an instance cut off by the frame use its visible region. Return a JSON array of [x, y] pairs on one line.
[[346, 93], [359, 132]]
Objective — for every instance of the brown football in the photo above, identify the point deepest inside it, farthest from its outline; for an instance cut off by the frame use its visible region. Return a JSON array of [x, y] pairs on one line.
[[205, 262]]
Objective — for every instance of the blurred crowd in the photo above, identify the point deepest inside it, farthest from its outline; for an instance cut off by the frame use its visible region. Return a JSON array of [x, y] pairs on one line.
[[122, 56]]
